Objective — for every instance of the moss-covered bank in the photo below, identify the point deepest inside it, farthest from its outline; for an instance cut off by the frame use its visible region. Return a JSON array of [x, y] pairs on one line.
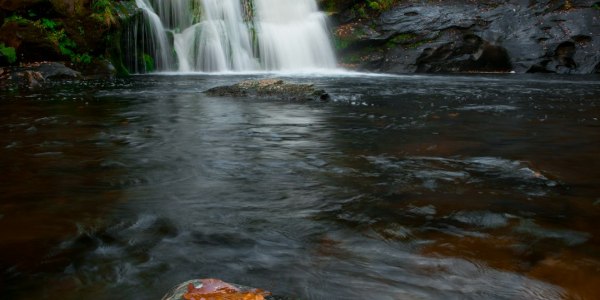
[[77, 32]]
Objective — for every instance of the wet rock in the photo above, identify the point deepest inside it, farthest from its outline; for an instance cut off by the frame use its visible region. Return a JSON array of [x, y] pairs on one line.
[[270, 89], [96, 69], [217, 289], [483, 36], [32, 76]]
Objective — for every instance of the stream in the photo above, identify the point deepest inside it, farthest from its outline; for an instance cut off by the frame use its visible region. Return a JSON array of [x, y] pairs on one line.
[[400, 187]]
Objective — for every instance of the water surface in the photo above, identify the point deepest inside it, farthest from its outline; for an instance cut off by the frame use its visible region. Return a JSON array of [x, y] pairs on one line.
[[401, 187]]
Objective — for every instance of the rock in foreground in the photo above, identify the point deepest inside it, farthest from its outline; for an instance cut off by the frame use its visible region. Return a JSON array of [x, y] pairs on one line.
[[217, 290], [270, 89]]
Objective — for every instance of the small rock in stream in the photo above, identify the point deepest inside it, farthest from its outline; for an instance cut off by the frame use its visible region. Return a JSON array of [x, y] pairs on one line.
[[270, 89], [216, 289]]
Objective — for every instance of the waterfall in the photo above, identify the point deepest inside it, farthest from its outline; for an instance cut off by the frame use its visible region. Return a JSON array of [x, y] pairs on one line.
[[146, 42], [228, 35], [292, 35]]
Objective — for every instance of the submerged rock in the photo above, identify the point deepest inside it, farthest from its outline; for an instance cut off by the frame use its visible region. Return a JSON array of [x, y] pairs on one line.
[[216, 289], [270, 88]]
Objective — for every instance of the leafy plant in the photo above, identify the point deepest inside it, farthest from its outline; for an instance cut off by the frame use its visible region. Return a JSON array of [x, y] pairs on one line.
[[9, 52], [49, 24], [103, 12], [82, 58]]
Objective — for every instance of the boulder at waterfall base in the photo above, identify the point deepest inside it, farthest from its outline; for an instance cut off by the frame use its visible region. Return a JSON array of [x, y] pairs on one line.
[[270, 89]]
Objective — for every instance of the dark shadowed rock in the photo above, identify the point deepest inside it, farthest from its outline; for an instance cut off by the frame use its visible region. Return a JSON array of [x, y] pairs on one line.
[[31, 42], [12, 5], [270, 89], [34, 75]]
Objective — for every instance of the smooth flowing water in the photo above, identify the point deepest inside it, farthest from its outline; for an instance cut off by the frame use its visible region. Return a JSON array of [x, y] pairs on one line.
[[408, 187], [228, 35]]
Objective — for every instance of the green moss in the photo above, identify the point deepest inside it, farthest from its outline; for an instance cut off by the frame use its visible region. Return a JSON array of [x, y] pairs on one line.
[[341, 43], [49, 24], [403, 38], [9, 52], [18, 19], [149, 63]]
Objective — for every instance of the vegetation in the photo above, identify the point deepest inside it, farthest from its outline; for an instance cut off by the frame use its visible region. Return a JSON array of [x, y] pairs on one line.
[[9, 53], [103, 12], [149, 63]]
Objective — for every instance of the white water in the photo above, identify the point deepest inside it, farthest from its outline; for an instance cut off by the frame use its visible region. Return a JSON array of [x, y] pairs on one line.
[[154, 35], [237, 35], [292, 35]]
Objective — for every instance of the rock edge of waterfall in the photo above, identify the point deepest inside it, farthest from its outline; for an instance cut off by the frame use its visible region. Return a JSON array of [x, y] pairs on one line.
[[456, 36], [270, 89]]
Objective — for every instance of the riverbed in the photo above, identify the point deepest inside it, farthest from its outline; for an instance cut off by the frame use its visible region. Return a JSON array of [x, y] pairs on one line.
[[399, 187]]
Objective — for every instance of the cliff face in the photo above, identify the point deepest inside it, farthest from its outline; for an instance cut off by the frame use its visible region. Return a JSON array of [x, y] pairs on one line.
[[468, 36]]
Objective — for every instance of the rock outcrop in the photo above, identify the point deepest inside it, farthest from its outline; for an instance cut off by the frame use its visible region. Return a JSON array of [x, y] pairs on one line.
[[270, 89], [33, 76], [468, 36]]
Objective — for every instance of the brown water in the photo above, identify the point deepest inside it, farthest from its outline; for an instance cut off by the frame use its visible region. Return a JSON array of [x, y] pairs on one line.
[[409, 187]]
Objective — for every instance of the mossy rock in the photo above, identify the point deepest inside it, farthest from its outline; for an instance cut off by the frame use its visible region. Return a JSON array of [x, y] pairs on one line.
[[270, 89]]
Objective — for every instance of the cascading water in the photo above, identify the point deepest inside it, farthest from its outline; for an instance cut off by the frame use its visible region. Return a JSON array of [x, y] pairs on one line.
[[228, 35], [292, 35]]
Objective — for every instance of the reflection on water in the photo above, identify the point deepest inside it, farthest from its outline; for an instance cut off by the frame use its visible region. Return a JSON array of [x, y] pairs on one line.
[[410, 187]]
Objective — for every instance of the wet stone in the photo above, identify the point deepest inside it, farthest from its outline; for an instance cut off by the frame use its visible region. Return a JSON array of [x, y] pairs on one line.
[[270, 89], [216, 289]]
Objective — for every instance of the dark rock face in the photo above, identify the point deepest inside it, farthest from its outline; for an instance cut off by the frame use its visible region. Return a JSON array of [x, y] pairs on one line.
[[31, 41], [270, 89], [13, 5], [462, 36]]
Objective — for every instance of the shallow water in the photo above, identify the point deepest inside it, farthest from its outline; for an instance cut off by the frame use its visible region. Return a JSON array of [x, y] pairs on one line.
[[401, 187]]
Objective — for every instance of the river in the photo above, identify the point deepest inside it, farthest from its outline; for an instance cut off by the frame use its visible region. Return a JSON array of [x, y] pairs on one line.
[[400, 187]]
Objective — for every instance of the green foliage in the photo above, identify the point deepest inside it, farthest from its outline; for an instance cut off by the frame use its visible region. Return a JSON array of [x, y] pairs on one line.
[[596, 6], [82, 58], [48, 24], [103, 12], [9, 53], [148, 63]]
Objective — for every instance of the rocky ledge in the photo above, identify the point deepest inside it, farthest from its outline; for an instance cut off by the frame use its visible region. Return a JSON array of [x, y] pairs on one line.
[[35, 75], [270, 89], [474, 36]]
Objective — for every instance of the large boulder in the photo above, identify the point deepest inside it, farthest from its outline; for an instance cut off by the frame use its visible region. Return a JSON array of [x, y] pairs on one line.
[[35, 75]]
